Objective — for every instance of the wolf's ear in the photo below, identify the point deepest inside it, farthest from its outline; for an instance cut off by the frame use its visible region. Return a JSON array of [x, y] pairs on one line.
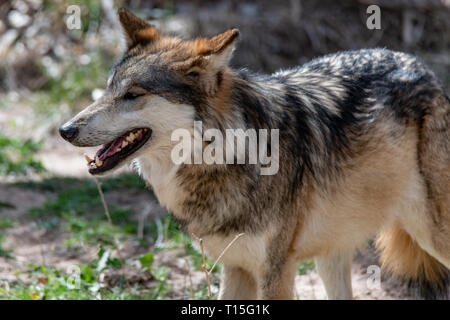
[[218, 49], [211, 57], [136, 30]]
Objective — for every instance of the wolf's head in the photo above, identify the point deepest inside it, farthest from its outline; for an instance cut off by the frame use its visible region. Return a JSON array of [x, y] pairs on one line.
[[155, 88]]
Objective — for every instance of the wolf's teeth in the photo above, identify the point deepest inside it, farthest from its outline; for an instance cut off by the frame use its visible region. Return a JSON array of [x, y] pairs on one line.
[[124, 144], [88, 159], [131, 137], [98, 162]]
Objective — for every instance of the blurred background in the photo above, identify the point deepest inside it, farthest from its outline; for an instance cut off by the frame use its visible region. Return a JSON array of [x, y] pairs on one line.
[[55, 239]]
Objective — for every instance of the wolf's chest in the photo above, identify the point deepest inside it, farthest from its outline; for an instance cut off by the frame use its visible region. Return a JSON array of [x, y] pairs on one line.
[[162, 178]]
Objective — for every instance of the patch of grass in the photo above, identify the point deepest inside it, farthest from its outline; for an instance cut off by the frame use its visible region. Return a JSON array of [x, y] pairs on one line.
[[88, 231], [75, 209], [50, 283], [57, 184], [146, 260], [304, 266], [17, 156], [83, 282], [53, 184], [202, 291], [128, 180], [6, 223], [7, 205], [169, 231]]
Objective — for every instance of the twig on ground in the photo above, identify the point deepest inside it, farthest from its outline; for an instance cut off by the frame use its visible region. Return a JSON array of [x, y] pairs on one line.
[[205, 269], [116, 240], [105, 206], [141, 223], [225, 250], [191, 286]]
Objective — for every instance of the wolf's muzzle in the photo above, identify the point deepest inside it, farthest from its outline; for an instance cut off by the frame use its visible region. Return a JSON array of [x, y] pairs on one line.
[[68, 132]]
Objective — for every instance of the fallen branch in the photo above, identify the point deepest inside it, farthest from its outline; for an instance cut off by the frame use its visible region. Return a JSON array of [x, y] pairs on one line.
[[224, 250], [205, 269], [105, 206]]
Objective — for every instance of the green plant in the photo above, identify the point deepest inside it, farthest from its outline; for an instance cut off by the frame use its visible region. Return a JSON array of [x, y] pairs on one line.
[[6, 223], [304, 266], [17, 156], [74, 209]]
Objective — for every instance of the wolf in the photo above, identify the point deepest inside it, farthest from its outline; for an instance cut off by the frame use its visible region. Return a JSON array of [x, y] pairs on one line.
[[364, 151]]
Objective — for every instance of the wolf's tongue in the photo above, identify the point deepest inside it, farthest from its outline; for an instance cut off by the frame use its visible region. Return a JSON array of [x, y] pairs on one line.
[[103, 153]]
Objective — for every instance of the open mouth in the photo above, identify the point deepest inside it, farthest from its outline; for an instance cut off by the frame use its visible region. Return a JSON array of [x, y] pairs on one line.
[[112, 153]]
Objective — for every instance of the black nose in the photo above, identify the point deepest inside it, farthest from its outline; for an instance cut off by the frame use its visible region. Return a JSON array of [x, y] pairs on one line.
[[68, 132]]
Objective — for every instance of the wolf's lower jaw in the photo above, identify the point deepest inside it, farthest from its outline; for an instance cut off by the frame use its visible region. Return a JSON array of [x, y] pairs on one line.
[[116, 151]]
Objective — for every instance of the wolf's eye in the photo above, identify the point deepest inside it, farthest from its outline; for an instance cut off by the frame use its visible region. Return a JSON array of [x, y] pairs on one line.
[[131, 96]]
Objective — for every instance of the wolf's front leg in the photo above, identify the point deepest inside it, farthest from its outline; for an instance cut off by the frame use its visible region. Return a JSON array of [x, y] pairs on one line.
[[335, 272], [236, 283], [278, 281]]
